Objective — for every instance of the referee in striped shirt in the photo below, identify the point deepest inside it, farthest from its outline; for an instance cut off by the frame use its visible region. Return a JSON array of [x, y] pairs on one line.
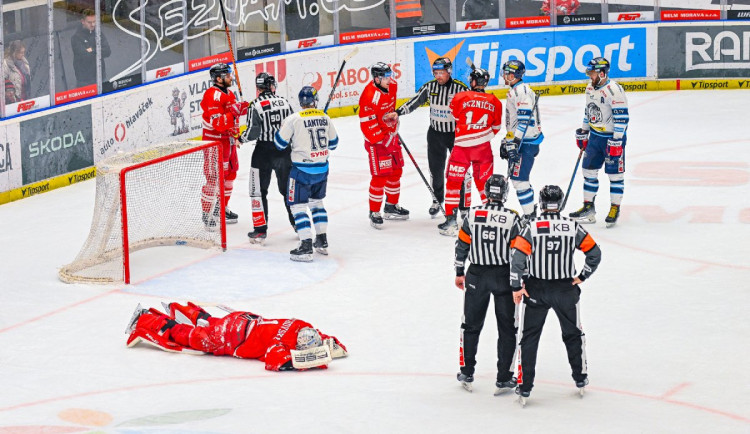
[[544, 250], [485, 239], [264, 118], [441, 134]]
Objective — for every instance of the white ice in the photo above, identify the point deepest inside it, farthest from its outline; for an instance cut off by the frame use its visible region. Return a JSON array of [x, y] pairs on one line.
[[665, 316]]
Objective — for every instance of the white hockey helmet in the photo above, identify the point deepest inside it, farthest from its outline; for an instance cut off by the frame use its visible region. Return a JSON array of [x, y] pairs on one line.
[[307, 338]]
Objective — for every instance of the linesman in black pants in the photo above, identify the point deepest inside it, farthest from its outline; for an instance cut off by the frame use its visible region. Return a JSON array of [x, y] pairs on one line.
[[263, 121], [544, 250], [485, 239], [442, 132]]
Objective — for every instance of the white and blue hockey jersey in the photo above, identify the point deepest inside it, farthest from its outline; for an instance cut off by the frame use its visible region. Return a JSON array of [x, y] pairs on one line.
[[311, 135], [521, 115], [606, 110]]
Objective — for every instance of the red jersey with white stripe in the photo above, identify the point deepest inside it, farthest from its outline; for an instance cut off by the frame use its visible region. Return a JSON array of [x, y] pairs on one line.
[[218, 121], [270, 340], [374, 103], [478, 117]]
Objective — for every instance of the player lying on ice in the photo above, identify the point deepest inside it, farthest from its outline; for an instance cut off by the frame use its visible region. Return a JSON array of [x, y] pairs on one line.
[[283, 344]]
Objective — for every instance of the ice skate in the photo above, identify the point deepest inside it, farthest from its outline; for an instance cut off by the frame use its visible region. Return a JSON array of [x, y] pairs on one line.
[[614, 213], [465, 380], [434, 209], [587, 213], [523, 396], [376, 220], [505, 386], [526, 218], [321, 244], [139, 310], [303, 253], [581, 385], [230, 217], [449, 227], [395, 212], [257, 237]]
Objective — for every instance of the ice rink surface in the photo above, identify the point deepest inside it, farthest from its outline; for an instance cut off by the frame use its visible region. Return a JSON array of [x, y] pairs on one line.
[[666, 315]]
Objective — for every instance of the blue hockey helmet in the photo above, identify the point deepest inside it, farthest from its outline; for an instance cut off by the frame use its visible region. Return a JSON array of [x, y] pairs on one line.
[[598, 64], [515, 67], [308, 96]]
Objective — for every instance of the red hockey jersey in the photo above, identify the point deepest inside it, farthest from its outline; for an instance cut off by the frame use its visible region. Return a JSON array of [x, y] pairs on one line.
[[373, 105], [270, 340], [218, 121], [478, 117]]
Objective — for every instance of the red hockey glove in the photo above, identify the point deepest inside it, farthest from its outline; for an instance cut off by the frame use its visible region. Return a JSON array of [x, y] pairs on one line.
[[239, 108], [614, 148], [582, 138]]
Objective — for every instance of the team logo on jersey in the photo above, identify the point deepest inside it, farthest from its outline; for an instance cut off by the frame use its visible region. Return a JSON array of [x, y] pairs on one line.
[[542, 227], [595, 113], [480, 216]]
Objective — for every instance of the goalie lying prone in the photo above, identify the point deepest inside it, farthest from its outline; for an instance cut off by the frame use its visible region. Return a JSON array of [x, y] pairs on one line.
[[283, 344]]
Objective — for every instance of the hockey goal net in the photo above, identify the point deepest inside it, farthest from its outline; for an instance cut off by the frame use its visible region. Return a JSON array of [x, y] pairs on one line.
[[163, 196]]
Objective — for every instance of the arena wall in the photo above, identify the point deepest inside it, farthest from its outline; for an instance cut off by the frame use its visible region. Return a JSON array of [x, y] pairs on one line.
[[60, 146]]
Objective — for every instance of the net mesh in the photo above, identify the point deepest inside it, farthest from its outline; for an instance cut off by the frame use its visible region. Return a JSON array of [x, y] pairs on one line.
[[166, 201]]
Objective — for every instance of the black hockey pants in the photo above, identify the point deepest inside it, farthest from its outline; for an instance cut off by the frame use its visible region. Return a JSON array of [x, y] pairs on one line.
[[439, 147], [562, 297], [481, 281], [266, 158]]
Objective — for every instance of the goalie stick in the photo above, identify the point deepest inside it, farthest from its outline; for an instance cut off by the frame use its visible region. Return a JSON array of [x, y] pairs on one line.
[[338, 76]]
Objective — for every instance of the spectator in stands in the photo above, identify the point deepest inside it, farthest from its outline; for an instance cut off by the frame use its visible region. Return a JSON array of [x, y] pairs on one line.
[[471, 10], [564, 7], [16, 70], [302, 24], [83, 43], [10, 92], [408, 12]]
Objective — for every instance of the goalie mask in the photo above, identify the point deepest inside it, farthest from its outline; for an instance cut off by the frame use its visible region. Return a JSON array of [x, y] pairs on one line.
[[307, 338]]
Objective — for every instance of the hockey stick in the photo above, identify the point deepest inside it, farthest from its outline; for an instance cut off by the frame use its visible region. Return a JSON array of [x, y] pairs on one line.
[[231, 50], [519, 336], [338, 76], [572, 178], [432, 192], [470, 63]]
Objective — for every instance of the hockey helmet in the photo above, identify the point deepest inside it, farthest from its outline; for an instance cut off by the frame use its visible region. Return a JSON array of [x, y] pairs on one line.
[[218, 70], [381, 69], [598, 64], [308, 96], [308, 337], [442, 64], [479, 78], [515, 67], [264, 81], [551, 198], [496, 188]]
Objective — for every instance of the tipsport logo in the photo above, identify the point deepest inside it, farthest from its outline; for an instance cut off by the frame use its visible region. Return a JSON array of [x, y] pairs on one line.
[[549, 56]]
